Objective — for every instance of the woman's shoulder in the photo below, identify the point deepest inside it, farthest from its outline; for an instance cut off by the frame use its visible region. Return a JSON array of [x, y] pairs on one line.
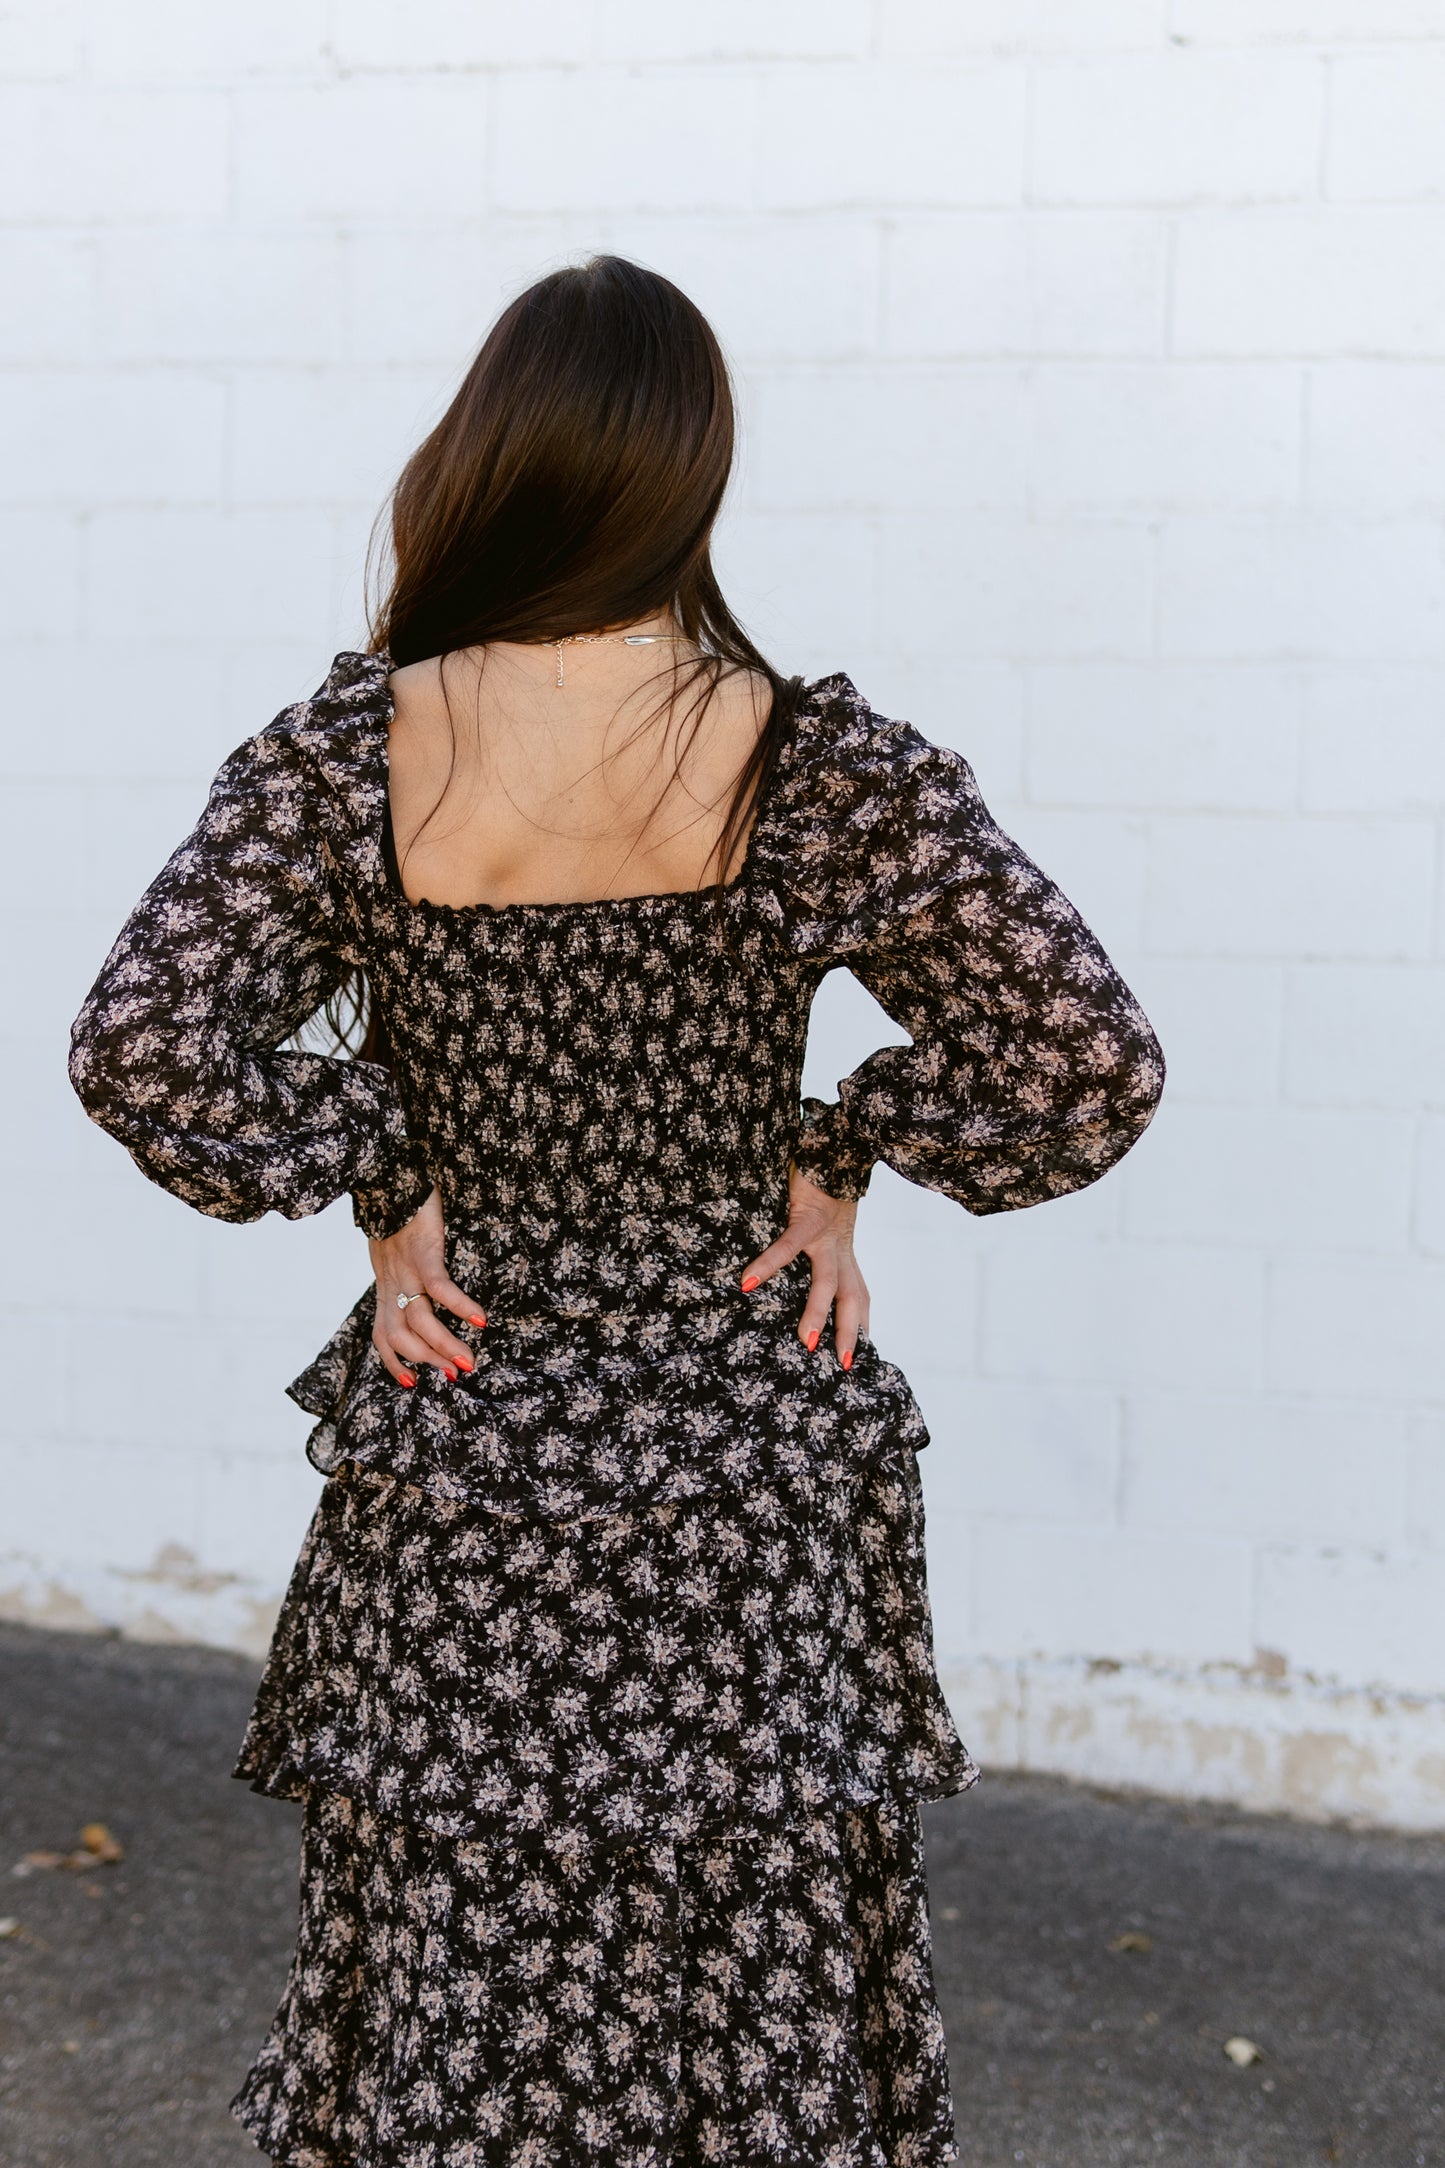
[[866, 817], [322, 760], [846, 752], [338, 731], [837, 710]]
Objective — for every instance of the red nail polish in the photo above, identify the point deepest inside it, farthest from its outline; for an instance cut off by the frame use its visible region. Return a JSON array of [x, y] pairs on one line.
[[751, 1282], [848, 1360], [449, 1373], [812, 1339], [478, 1321], [405, 1377], [464, 1362]]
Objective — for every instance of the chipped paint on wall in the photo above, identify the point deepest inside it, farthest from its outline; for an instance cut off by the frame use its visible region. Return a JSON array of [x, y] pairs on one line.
[[1260, 1737], [173, 1600]]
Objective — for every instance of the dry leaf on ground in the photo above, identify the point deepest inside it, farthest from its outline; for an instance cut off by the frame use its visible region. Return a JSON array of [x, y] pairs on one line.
[[97, 1848]]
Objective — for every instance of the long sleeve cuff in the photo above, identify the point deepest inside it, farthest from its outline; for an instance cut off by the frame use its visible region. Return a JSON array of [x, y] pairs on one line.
[[829, 1153], [398, 1187]]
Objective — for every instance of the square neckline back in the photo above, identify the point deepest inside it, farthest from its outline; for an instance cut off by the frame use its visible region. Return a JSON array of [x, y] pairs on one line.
[[654, 898]]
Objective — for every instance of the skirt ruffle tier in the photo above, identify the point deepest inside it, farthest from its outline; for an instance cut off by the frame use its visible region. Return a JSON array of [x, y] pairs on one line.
[[611, 1835], [723, 2004]]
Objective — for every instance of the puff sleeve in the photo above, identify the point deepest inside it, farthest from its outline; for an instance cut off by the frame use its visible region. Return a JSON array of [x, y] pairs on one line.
[[177, 1049], [1032, 1067]]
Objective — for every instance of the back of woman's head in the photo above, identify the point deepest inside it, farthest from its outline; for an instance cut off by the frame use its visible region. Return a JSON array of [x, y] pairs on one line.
[[574, 480], [571, 486]]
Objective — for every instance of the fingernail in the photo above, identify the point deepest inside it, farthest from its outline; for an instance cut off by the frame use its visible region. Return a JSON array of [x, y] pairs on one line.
[[450, 1374], [848, 1360], [464, 1362], [751, 1282], [479, 1321], [812, 1339], [404, 1377]]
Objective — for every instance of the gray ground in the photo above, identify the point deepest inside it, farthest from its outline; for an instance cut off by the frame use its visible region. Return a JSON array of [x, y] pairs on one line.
[[131, 1997]]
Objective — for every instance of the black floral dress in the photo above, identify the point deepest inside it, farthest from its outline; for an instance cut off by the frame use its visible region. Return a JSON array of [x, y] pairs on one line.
[[605, 1674]]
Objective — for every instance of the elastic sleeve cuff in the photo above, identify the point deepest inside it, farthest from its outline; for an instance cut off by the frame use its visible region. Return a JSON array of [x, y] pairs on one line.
[[829, 1153], [398, 1188]]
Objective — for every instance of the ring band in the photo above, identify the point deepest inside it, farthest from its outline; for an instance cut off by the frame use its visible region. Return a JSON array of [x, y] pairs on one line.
[[403, 1300]]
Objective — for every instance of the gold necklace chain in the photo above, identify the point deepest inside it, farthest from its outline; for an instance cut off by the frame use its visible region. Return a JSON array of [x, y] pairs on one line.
[[625, 639]]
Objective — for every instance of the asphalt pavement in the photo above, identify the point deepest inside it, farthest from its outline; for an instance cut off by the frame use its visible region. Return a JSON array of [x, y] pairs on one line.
[[1094, 1951]]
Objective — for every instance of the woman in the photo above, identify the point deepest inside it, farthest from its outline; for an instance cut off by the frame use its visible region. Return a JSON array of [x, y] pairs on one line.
[[605, 1676]]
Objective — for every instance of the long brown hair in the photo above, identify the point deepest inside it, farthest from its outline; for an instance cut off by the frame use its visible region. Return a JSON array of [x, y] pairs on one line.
[[572, 486]]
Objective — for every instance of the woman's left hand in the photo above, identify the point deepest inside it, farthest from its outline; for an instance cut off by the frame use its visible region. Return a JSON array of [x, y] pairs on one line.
[[413, 1262], [820, 1227]]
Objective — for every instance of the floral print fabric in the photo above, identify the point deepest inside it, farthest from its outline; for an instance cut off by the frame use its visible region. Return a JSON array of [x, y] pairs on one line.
[[645, 1590], [723, 1665], [608, 1095], [550, 1057], [714, 2005]]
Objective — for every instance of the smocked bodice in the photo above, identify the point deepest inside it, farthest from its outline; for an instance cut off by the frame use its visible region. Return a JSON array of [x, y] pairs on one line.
[[594, 1061]]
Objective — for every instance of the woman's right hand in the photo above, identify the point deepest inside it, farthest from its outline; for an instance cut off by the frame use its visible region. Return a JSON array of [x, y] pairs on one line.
[[413, 1262], [819, 1227]]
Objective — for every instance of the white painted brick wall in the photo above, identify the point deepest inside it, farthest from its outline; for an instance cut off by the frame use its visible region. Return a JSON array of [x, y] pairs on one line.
[[1093, 376]]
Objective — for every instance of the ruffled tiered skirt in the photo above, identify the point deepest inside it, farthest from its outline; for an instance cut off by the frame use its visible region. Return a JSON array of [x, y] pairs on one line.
[[611, 1835], [716, 2005]]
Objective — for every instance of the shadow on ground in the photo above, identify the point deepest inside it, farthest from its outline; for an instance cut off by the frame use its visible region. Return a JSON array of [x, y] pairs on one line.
[[133, 1996]]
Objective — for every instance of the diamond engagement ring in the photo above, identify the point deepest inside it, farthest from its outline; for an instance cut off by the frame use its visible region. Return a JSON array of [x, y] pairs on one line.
[[403, 1300]]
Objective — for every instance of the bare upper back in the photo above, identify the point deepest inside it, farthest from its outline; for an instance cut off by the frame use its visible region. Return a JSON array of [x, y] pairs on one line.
[[545, 794]]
